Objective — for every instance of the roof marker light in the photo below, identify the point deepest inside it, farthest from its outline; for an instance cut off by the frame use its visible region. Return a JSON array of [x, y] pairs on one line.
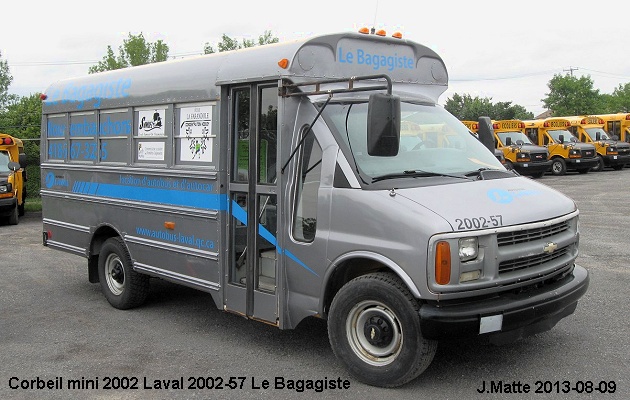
[[381, 32], [397, 35], [364, 30]]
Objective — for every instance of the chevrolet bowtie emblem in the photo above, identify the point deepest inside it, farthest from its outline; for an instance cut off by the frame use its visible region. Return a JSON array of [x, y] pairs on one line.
[[550, 247]]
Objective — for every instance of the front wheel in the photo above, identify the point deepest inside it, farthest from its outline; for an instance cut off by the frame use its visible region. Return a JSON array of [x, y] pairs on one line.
[[600, 164], [374, 329], [123, 287], [558, 167], [13, 217]]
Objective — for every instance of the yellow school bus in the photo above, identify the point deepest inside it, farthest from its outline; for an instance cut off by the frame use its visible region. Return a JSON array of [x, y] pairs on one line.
[[617, 125], [566, 152], [473, 127], [610, 153], [519, 152], [12, 178]]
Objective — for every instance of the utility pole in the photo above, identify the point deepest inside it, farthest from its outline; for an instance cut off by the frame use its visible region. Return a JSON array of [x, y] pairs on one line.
[[571, 69]]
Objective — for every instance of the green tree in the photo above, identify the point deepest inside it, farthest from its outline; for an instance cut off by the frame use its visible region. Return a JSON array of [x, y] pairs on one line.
[[569, 95], [5, 82], [22, 119], [620, 101], [134, 51], [227, 43], [465, 107]]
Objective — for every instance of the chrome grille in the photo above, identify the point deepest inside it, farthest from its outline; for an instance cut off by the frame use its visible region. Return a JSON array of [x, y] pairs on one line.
[[527, 235], [538, 157], [531, 261]]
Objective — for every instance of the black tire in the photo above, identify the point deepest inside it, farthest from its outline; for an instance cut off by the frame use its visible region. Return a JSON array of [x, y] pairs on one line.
[[395, 352], [538, 175], [13, 217], [558, 167], [123, 287], [600, 164]]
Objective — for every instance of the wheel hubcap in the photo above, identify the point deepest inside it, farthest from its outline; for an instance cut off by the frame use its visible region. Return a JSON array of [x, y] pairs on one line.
[[378, 332], [374, 333], [115, 274]]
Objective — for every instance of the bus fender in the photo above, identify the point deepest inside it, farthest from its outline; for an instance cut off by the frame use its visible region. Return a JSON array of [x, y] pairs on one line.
[[379, 258]]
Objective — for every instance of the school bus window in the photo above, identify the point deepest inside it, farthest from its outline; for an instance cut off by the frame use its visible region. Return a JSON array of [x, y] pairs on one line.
[[114, 133], [241, 114], [268, 134], [305, 220]]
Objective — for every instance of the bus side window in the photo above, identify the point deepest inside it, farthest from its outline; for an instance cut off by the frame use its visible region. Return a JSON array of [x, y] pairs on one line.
[[309, 177]]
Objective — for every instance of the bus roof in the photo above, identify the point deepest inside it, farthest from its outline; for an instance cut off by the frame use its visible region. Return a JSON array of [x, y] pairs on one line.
[[341, 55]]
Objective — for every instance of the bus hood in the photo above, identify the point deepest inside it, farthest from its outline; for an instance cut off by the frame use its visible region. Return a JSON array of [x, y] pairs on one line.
[[491, 203]]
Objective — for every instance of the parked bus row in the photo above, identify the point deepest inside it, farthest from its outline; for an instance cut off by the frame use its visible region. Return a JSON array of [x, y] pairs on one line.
[[561, 144]]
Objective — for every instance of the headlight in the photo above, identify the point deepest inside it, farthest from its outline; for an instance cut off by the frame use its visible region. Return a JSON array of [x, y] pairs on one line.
[[468, 249], [522, 157], [6, 188], [611, 150], [573, 153]]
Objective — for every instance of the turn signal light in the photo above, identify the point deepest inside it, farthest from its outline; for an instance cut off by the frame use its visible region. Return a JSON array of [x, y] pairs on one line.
[[442, 263]]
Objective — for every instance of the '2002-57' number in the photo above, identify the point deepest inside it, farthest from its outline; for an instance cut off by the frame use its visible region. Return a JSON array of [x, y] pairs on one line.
[[479, 222]]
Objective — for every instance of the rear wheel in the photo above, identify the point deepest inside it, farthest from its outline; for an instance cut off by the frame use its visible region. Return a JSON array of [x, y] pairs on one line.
[[374, 329], [122, 286]]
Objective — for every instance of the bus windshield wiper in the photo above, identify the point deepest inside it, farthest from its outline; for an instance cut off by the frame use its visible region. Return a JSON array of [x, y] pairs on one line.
[[479, 172], [415, 173]]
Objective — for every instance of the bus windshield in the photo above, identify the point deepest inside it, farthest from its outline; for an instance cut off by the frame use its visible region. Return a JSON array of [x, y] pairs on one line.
[[597, 134], [432, 141], [568, 136], [514, 137], [4, 161]]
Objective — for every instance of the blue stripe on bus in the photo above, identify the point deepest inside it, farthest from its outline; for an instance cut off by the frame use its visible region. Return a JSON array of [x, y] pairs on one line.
[[209, 201]]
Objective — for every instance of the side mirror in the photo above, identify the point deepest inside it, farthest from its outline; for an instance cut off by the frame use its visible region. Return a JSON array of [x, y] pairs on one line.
[[508, 141], [486, 133], [383, 125], [13, 166], [598, 136], [561, 139]]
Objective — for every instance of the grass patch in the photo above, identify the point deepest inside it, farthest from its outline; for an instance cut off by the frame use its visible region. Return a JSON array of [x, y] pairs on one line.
[[33, 204]]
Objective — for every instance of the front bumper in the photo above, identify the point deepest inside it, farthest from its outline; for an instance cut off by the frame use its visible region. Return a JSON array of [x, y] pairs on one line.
[[523, 314], [7, 206], [613, 160], [581, 163], [532, 168]]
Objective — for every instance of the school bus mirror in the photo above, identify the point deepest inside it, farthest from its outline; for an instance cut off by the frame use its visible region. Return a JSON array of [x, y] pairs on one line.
[[383, 125], [598, 136], [22, 160], [508, 141], [486, 133], [561, 139], [13, 166]]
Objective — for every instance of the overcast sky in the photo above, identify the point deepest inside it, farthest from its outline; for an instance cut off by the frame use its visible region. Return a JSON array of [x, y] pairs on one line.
[[503, 50]]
